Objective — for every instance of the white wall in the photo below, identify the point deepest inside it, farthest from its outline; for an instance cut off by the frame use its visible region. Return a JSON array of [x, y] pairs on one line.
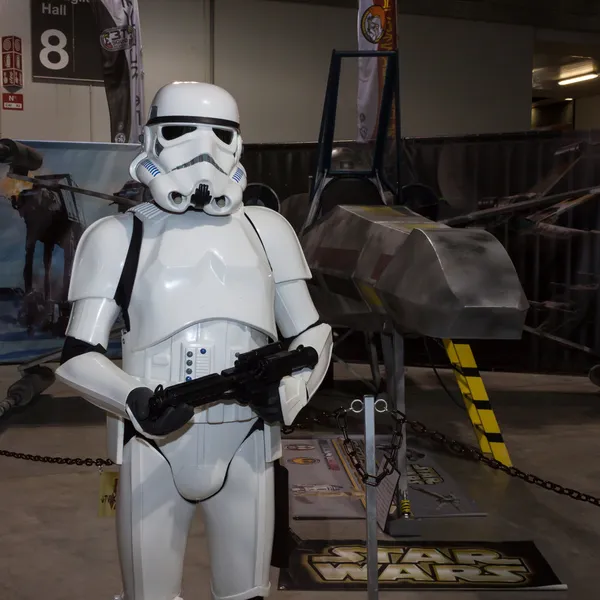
[[64, 112], [458, 76], [587, 113], [176, 45], [274, 58], [464, 77], [175, 41]]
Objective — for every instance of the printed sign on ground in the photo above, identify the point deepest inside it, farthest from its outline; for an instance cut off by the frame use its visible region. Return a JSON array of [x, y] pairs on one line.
[[341, 565]]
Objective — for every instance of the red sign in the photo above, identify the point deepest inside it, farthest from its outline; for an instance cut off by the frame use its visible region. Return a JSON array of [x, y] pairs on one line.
[[12, 101], [12, 79], [12, 63], [11, 43]]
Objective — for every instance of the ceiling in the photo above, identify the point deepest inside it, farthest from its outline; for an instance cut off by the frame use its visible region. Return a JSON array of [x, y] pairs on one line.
[[339, 3], [552, 57], [573, 15]]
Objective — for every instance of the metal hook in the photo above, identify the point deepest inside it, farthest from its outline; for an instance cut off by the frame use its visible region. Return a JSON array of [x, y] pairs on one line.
[[357, 406], [381, 405]]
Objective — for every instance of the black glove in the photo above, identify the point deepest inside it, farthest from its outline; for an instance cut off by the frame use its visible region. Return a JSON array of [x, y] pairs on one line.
[[268, 406], [170, 420]]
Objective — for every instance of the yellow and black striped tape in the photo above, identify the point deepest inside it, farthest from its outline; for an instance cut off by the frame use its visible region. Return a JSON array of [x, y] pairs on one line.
[[476, 400]]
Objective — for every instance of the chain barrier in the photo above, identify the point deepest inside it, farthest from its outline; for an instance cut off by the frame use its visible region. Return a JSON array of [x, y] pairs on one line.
[[476, 454], [389, 460], [59, 460], [453, 446], [340, 418]]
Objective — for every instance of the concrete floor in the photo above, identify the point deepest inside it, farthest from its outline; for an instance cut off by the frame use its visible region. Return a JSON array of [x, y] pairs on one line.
[[53, 546]]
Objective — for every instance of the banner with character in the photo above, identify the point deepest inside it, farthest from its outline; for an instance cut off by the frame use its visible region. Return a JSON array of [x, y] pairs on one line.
[[376, 31], [118, 27]]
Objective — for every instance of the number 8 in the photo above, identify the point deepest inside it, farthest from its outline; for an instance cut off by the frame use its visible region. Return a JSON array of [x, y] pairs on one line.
[[54, 48]]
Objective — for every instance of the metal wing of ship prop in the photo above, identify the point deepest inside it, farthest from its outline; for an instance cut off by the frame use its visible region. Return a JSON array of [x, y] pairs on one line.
[[377, 262], [540, 211]]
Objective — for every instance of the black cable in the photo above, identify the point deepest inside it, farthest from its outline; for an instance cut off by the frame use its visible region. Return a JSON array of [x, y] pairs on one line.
[[439, 378]]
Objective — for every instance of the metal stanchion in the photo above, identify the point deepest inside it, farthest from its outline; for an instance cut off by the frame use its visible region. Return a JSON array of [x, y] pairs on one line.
[[369, 406], [401, 524]]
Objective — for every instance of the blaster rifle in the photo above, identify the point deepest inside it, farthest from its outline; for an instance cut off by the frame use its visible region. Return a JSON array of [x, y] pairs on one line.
[[254, 379]]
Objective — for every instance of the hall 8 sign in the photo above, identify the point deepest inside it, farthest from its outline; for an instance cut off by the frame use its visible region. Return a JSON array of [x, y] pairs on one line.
[[53, 55], [65, 43]]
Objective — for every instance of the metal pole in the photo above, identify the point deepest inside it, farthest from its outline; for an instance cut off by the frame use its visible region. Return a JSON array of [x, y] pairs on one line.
[[374, 360], [91, 98], [400, 402], [387, 345], [398, 106], [211, 41], [371, 498]]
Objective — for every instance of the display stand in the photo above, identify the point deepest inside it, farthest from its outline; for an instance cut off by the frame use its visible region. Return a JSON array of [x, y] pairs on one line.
[[368, 405], [372, 569], [399, 525]]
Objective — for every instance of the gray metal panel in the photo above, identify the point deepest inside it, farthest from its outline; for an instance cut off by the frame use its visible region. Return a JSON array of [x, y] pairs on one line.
[[473, 172], [428, 278]]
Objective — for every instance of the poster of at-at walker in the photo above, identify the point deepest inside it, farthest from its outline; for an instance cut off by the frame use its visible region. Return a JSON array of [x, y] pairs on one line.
[[40, 227]]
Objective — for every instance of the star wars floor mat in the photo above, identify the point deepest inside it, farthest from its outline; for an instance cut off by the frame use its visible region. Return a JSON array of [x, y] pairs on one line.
[[324, 485], [319, 565]]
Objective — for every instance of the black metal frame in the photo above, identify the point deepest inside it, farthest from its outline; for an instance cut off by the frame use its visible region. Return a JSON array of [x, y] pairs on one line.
[[390, 92]]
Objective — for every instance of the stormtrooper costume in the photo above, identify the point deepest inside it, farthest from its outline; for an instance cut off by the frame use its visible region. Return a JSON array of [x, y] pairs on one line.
[[198, 278]]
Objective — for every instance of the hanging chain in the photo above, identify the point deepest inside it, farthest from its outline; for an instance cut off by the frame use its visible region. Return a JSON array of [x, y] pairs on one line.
[[454, 446], [388, 466], [59, 460], [466, 450], [389, 462]]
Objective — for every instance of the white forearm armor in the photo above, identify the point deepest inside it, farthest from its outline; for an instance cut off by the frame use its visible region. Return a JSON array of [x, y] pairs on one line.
[[298, 319]]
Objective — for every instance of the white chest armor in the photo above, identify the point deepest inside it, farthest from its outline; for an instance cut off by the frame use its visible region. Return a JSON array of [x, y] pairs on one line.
[[203, 292]]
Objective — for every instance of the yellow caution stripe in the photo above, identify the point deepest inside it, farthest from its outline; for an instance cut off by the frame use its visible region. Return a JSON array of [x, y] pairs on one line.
[[477, 402]]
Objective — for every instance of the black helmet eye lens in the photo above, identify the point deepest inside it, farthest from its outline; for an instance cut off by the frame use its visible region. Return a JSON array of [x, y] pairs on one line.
[[225, 135], [172, 132]]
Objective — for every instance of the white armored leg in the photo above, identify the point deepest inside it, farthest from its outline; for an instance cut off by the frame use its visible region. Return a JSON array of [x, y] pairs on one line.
[[240, 522], [153, 523]]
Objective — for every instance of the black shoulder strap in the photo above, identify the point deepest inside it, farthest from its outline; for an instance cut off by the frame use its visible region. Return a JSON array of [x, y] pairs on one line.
[[125, 286], [259, 239], [266, 254]]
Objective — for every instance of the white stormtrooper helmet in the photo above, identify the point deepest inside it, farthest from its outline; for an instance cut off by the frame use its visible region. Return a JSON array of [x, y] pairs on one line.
[[191, 150]]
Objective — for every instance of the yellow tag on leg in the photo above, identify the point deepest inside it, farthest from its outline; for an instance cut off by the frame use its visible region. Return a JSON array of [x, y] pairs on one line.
[[107, 505]]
